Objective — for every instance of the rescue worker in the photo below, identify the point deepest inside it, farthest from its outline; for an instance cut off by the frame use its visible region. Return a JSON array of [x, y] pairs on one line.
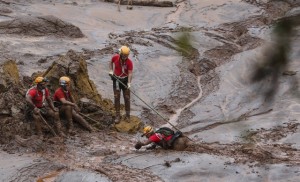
[[35, 98], [163, 137], [64, 100], [121, 69]]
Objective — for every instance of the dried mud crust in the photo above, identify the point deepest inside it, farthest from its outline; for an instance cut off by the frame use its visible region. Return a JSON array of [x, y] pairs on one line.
[[31, 172], [123, 173], [91, 151], [257, 148]]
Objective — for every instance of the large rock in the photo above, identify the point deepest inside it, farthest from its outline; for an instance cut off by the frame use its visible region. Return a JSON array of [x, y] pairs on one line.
[[12, 102], [74, 66], [131, 126], [9, 75], [40, 26], [84, 90], [11, 89]]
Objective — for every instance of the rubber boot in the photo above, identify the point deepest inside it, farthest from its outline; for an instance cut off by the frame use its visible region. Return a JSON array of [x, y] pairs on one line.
[[127, 116], [70, 129], [118, 118], [117, 107], [38, 127], [127, 104], [68, 115], [57, 124]]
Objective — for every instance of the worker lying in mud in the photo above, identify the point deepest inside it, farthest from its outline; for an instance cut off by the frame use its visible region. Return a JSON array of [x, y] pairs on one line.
[[38, 109], [64, 100], [163, 137]]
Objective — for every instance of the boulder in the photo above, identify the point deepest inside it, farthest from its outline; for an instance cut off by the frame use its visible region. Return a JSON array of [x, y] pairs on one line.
[[40, 26]]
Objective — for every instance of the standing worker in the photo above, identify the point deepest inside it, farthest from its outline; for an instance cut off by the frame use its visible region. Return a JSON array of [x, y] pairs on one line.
[[35, 98], [121, 68], [66, 103]]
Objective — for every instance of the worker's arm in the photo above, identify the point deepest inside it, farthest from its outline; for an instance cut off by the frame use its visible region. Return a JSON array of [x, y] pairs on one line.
[[110, 65], [129, 76], [139, 144], [29, 101], [66, 102], [51, 104]]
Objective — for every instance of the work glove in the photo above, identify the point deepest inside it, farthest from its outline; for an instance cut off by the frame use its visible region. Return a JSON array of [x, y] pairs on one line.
[[128, 85], [111, 73], [138, 145], [36, 110], [153, 146]]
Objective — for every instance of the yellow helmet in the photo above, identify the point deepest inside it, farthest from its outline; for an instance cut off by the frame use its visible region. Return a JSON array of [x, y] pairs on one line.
[[147, 129], [124, 50], [40, 79], [64, 80]]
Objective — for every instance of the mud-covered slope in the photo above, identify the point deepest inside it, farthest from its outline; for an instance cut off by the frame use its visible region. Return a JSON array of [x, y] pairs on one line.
[[237, 135]]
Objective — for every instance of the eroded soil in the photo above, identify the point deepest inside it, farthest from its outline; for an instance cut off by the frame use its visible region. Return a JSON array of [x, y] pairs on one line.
[[167, 88]]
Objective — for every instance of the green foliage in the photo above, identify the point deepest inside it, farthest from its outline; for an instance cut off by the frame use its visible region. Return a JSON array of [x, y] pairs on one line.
[[276, 59], [183, 43]]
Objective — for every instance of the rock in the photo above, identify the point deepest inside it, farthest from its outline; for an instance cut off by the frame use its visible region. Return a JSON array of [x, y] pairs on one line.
[[129, 127], [40, 26], [9, 75]]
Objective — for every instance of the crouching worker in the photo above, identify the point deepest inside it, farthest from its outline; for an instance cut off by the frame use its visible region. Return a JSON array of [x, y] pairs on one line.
[[35, 98], [64, 100], [163, 137]]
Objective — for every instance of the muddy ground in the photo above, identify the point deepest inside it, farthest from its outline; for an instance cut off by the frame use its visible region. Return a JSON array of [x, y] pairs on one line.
[[236, 134]]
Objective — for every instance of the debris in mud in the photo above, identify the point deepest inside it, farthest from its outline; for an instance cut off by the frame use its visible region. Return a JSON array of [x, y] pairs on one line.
[[143, 2], [168, 163], [256, 149], [123, 173], [40, 26], [289, 73]]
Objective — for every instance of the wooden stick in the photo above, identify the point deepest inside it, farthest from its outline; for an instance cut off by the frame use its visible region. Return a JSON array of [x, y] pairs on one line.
[[51, 129]]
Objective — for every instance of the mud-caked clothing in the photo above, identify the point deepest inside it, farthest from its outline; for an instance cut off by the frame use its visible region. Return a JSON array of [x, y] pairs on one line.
[[121, 73], [38, 98], [60, 94], [67, 111], [121, 70], [158, 137]]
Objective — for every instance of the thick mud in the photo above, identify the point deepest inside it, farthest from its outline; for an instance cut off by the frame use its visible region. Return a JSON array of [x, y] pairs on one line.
[[235, 135]]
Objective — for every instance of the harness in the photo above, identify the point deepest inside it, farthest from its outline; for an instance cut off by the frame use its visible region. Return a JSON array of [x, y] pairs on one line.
[[123, 66], [28, 109]]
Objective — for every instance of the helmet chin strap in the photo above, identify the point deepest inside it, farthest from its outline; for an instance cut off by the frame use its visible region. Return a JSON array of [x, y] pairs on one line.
[[40, 87], [64, 87]]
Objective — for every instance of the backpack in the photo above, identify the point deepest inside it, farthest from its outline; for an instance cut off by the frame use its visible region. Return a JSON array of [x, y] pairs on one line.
[[165, 131]]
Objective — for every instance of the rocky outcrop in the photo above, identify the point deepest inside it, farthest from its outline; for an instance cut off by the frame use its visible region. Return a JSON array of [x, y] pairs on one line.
[[10, 88], [12, 102], [40, 26]]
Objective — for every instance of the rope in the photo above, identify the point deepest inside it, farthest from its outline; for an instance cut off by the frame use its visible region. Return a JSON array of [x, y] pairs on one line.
[[148, 105]]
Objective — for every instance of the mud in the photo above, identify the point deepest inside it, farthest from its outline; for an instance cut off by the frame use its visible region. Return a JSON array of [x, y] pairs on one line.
[[234, 134]]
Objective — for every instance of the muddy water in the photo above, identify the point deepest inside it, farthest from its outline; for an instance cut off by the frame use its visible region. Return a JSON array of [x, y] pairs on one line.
[[221, 120]]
